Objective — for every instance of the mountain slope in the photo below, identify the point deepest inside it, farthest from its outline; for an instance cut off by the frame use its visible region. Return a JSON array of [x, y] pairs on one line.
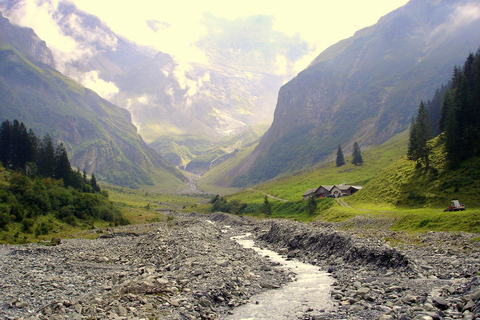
[[235, 86], [99, 135], [365, 88]]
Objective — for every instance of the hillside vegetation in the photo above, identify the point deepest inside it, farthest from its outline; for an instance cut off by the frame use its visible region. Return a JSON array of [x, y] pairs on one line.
[[397, 192], [98, 135]]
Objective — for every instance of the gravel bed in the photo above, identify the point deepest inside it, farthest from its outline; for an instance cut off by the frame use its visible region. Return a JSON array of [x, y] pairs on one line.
[[189, 268]]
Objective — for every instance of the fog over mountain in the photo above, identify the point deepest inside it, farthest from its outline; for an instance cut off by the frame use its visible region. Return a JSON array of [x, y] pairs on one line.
[[217, 73], [245, 63]]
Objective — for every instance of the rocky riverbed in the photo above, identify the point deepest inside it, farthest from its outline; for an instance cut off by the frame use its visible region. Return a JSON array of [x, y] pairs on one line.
[[189, 268]]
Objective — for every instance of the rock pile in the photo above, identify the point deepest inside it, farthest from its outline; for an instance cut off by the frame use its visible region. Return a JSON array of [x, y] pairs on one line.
[[189, 268], [435, 277]]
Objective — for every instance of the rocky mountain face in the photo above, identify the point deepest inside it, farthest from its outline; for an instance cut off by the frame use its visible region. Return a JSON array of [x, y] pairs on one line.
[[25, 40], [365, 88], [99, 135], [235, 88]]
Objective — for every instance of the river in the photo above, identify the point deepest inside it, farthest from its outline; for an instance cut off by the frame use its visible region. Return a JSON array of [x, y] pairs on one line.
[[310, 293]]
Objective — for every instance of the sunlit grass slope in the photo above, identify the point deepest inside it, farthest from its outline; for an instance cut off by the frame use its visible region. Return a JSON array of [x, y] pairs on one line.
[[292, 187]]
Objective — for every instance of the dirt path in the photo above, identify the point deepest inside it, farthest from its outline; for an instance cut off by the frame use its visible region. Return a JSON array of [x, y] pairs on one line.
[[268, 195], [342, 202]]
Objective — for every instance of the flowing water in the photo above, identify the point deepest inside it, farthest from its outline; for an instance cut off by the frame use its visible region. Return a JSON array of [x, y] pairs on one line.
[[310, 293]]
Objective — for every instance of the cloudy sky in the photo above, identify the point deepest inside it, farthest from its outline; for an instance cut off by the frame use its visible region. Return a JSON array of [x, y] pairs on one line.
[[179, 23], [174, 26]]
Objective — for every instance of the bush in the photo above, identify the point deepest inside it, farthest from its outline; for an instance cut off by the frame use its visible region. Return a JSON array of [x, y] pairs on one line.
[[43, 228], [27, 225], [4, 216]]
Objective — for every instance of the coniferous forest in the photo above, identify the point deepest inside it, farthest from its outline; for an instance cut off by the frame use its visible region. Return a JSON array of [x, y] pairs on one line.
[[37, 180], [453, 113]]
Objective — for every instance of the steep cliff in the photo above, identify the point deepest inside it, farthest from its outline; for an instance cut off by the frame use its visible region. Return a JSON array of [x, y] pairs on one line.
[[364, 88], [99, 135]]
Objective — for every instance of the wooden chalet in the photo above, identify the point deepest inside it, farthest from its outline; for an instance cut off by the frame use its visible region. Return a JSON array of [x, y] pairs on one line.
[[335, 191]]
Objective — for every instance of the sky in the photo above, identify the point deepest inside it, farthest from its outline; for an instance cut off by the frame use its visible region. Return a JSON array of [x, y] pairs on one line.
[[175, 26], [179, 23]]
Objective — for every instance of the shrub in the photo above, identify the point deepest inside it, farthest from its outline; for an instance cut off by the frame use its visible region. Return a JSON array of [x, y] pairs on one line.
[[4, 216]]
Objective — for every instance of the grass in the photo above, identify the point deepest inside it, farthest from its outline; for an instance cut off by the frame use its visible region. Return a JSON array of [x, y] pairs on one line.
[[395, 190], [407, 219], [146, 201], [292, 187]]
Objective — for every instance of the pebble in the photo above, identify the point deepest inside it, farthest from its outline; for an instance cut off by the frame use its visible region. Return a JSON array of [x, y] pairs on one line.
[[191, 269]]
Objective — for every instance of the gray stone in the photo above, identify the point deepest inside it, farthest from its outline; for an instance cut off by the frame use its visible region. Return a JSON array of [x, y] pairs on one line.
[[440, 303]]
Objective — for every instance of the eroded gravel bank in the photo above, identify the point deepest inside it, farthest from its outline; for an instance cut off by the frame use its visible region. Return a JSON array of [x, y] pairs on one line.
[[188, 268]]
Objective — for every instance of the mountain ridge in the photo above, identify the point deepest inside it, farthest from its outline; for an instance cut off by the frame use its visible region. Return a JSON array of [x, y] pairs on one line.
[[99, 136], [363, 89]]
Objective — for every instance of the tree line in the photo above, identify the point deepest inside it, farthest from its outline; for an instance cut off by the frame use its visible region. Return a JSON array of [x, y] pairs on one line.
[[37, 184], [21, 149], [454, 114]]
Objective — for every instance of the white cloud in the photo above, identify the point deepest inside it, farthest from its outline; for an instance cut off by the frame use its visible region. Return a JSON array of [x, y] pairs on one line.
[[466, 14], [174, 27], [105, 89], [179, 23], [463, 14]]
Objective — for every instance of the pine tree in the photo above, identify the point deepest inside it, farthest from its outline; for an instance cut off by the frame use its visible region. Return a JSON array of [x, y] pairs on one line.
[[267, 207], [63, 170], [420, 133], [46, 157], [357, 155], [340, 159], [94, 184], [5, 142]]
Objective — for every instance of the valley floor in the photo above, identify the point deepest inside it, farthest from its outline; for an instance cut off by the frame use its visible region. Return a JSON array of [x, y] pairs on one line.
[[189, 268]]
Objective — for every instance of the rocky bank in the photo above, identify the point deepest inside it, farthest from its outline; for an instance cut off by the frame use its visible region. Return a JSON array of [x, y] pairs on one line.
[[189, 268]]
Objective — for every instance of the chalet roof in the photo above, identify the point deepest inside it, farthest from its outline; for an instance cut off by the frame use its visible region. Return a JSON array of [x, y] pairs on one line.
[[341, 187], [328, 188], [346, 187], [309, 191]]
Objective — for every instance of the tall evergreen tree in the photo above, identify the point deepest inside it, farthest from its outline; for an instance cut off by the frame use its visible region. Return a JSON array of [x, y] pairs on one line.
[[357, 155], [461, 112], [5, 142], [420, 133], [340, 158], [94, 184], [63, 170], [267, 207], [46, 157]]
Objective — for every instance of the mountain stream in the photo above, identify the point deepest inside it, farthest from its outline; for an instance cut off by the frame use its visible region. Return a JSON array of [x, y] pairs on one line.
[[310, 292]]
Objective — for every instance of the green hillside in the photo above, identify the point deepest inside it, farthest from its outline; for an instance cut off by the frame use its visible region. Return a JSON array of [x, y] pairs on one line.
[[291, 187], [99, 136], [397, 193]]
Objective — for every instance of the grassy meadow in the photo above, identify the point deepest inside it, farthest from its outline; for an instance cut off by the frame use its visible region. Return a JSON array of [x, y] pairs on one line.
[[396, 193]]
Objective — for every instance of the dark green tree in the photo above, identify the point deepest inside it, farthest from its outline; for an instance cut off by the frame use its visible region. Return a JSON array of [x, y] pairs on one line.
[[340, 158], [460, 119], [357, 155], [420, 134], [5, 142], [311, 206], [63, 169], [46, 157], [267, 207], [94, 184]]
